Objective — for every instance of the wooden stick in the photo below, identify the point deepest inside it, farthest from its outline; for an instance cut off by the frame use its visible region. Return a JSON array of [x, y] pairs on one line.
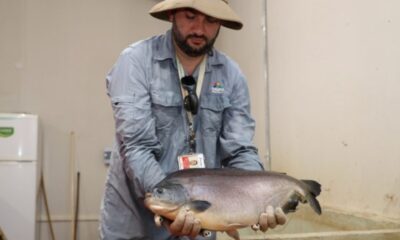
[[2, 236], [76, 205], [47, 206], [72, 172]]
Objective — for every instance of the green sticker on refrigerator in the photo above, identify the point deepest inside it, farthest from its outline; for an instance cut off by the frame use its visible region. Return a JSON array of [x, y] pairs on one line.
[[6, 131]]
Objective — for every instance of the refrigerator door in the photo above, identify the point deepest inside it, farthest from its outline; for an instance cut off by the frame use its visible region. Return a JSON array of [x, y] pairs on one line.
[[18, 193]]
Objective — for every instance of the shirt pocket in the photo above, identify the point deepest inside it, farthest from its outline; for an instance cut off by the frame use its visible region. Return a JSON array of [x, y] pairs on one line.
[[166, 107], [125, 108], [121, 100], [211, 114]]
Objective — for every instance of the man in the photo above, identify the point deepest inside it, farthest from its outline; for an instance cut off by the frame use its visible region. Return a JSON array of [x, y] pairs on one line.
[[176, 99]]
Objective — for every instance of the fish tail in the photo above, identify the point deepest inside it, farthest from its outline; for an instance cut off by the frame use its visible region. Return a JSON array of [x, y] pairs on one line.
[[314, 203], [314, 189], [313, 186]]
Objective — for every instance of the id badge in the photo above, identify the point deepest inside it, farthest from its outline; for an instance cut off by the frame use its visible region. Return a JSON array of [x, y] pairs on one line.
[[195, 160]]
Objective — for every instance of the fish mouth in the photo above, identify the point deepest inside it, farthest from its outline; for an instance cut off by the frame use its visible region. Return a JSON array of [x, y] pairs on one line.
[[157, 206], [148, 200]]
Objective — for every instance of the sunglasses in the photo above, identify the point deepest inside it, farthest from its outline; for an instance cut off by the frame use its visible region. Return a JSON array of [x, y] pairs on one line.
[[191, 101]]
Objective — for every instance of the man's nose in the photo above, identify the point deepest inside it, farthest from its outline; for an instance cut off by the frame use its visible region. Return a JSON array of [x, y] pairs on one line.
[[199, 25]]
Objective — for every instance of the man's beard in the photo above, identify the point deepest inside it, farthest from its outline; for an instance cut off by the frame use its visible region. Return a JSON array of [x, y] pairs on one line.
[[181, 41]]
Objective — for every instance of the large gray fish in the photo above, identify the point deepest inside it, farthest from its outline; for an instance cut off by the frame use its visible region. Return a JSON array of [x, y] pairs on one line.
[[228, 199]]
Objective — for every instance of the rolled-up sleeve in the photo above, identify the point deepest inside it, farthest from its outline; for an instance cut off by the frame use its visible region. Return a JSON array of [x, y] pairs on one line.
[[128, 89], [238, 126]]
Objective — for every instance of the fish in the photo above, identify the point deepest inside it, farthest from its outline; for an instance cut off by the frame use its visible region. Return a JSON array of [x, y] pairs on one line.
[[227, 199]]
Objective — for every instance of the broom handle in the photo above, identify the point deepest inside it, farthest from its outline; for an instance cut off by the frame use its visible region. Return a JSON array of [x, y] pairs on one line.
[[47, 207], [76, 205]]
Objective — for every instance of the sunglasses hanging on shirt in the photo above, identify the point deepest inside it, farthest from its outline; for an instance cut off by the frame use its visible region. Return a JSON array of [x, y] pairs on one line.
[[191, 101]]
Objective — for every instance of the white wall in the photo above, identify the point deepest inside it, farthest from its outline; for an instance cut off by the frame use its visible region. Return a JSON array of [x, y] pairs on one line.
[[335, 105], [333, 79], [54, 58]]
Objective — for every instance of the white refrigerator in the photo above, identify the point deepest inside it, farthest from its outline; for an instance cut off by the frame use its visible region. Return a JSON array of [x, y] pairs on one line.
[[19, 175]]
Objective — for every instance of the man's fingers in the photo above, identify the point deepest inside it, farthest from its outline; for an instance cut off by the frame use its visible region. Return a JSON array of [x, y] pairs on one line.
[[176, 226], [263, 222], [185, 224], [188, 224], [196, 229], [280, 216], [271, 217]]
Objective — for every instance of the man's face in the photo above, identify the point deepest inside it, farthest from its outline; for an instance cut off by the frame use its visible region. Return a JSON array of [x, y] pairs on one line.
[[194, 32]]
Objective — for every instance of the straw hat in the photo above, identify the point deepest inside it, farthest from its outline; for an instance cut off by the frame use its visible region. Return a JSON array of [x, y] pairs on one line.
[[214, 8]]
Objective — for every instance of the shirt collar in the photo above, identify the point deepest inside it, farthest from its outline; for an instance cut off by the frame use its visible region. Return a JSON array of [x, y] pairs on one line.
[[164, 48]]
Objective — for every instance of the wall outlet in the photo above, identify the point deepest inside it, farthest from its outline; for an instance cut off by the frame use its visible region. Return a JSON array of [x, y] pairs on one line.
[[107, 155]]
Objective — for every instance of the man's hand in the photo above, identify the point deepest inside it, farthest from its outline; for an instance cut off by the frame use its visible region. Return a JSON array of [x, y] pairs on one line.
[[185, 224], [271, 218]]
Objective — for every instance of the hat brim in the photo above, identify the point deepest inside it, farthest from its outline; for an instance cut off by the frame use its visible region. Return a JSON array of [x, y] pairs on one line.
[[213, 8]]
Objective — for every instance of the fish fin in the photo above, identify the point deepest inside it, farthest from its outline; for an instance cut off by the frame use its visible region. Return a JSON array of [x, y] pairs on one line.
[[313, 186], [314, 189], [233, 234], [314, 203], [199, 205]]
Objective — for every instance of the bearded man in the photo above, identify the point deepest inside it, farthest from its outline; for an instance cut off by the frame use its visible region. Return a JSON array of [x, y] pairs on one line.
[[175, 97]]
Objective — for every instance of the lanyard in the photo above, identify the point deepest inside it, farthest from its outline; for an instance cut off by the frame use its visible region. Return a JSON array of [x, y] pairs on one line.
[[199, 83]]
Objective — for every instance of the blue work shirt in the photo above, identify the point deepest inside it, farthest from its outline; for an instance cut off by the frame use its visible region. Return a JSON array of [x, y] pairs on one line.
[[152, 129]]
